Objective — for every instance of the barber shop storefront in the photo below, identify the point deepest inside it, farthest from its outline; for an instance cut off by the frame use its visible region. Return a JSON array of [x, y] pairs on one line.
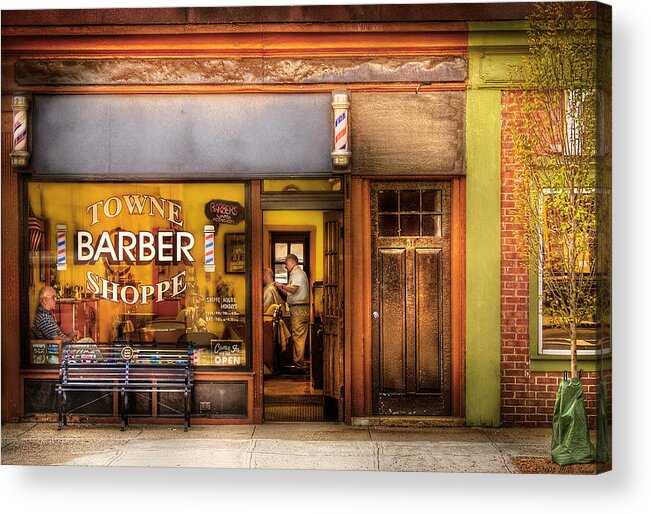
[[161, 173]]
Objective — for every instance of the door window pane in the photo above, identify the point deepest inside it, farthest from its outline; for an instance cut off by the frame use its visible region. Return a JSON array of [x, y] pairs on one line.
[[410, 225], [432, 200], [432, 225], [280, 273], [280, 252], [388, 201], [284, 243], [297, 249], [409, 201], [388, 225]]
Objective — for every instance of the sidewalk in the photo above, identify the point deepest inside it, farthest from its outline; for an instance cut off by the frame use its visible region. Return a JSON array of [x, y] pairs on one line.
[[324, 446]]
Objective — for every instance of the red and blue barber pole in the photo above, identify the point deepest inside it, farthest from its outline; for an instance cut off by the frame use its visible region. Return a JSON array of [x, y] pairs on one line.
[[19, 153], [20, 130], [341, 130], [61, 247], [341, 153], [209, 248]]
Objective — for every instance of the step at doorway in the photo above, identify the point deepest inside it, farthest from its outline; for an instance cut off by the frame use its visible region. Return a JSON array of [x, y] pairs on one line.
[[292, 398]]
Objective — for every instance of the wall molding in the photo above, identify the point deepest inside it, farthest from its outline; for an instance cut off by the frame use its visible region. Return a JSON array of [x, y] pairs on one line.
[[247, 70]]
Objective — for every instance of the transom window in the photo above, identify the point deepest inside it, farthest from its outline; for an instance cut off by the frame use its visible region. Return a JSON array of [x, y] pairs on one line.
[[410, 213]]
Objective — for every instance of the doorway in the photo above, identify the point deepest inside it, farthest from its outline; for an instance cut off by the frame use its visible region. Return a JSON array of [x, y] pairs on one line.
[[292, 393], [410, 294]]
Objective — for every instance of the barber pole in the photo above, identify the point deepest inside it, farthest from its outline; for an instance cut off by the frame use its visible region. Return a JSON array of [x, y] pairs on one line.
[[209, 248], [19, 154], [341, 153], [61, 247]]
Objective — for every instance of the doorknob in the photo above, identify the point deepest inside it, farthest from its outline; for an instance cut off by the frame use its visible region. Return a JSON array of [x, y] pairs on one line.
[[376, 315]]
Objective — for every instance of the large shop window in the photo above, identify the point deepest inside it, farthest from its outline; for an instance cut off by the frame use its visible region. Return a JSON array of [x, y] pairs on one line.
[[570, 269], [153, 263]]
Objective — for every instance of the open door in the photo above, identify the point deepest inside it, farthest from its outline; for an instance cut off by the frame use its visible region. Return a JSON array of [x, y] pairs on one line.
[[333, 322]]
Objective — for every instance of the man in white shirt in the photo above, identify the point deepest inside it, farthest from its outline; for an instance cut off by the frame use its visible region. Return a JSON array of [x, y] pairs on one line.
[[298, 299]]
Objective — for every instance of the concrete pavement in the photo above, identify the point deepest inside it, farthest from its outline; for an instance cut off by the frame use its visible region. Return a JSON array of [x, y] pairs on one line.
[[323, 446]]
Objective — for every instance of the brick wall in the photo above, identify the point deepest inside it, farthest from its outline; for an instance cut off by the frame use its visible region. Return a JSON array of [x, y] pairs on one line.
[[527, 398]]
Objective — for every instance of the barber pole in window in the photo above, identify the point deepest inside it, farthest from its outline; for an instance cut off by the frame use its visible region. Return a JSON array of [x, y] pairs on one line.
[[19, 154], [209, 246], [61, 247], [341, 153]]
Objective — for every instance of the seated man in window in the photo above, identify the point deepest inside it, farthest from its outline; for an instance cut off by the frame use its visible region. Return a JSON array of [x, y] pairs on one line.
[[272, 301], [44, 325], [271, 295]]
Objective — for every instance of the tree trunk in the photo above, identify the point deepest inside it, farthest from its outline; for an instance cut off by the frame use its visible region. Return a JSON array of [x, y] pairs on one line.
[[573, 357]]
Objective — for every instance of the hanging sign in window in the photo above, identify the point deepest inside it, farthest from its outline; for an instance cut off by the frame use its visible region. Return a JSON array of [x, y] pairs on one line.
[[224, 211], [119, 246]]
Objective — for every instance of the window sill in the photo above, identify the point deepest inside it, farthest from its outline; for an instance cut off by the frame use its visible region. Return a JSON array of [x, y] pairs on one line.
[[562, 362]]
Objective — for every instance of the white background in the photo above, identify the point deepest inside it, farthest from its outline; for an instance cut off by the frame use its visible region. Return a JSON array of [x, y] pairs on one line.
[[626, 489]]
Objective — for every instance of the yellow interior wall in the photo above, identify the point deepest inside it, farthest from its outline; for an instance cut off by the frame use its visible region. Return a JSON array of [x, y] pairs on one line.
[[66, 204], [302, 218], [305, 185]]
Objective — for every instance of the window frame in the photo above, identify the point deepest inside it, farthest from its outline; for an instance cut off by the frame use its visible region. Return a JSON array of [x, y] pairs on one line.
[[537, 277], [27, 308]]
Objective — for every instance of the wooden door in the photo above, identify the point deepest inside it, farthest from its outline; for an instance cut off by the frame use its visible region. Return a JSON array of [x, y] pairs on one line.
[[411, 348], [333, 323]]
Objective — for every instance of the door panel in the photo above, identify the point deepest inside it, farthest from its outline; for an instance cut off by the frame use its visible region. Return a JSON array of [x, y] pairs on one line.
[[411, 298], [428, 320], [393, 349], [333, 323]]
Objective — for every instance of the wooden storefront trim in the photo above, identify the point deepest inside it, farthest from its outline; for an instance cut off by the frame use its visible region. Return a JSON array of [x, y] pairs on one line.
[[257, 329], [358, 294], [411, 87], [11, 244], [63, 30], [242, 44], [458, 296]]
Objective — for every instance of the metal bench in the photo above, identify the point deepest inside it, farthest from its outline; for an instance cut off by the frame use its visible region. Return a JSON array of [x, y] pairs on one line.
[[125, 369]]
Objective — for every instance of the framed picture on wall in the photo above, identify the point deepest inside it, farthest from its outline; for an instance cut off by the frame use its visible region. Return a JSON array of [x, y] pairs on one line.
[[234, 253]]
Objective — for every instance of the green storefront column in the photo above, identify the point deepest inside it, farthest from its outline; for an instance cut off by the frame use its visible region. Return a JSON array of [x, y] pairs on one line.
[[495, 51], [483, 190]]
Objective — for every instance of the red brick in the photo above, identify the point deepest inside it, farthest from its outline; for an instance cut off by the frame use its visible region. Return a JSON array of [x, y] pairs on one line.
[[536, 418], [512, 402]]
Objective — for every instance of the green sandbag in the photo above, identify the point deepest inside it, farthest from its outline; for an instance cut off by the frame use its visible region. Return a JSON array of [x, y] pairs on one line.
[[570, 438], [602, 424]]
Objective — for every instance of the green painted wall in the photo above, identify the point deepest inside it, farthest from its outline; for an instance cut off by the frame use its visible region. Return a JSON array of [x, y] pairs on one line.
[[483, 258], [494, 53]]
